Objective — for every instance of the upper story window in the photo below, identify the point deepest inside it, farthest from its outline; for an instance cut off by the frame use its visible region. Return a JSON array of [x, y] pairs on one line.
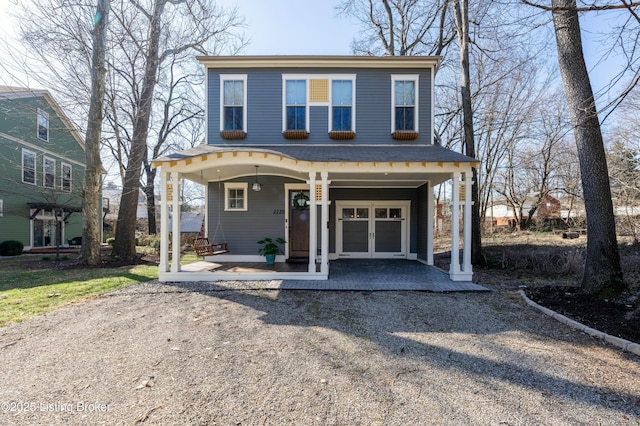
[[66, 177], [28, 167], [49, 175], [235, 196], [233, 100], [43, 125], [342, 117], [405, 103], [296, 105]]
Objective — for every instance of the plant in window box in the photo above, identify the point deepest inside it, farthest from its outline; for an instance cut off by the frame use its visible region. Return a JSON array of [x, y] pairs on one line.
[[295, 134], [342, 135], [270, 248], [232, 134], [405, 135]]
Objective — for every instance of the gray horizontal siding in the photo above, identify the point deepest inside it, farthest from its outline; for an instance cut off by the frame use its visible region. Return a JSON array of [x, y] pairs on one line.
[[264, 109], [242, 229]]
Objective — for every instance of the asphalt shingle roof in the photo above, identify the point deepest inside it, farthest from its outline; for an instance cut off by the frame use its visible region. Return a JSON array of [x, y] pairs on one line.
[[337, 153]]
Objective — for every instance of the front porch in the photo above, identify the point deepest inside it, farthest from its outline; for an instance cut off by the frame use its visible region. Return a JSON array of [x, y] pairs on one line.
[[355, 207], [345, 275]]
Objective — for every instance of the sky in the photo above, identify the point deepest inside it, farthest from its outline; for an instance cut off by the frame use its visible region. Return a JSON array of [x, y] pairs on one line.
[[295, 27], [313, 27]]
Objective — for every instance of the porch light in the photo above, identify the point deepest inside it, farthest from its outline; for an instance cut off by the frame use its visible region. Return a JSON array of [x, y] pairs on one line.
[[256, 185]]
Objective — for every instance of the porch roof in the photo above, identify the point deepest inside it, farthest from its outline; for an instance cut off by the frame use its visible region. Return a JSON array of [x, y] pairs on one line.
[[335, 153], [405, 164]]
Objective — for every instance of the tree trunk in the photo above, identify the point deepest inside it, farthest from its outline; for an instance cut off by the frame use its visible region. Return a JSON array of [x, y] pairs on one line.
[[462, 27], [125, 239], [602, 272], [149, 190], [91, 232]]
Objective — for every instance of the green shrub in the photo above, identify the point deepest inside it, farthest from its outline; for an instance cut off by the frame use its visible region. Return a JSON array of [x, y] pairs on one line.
[[110, 241], [11, 248]]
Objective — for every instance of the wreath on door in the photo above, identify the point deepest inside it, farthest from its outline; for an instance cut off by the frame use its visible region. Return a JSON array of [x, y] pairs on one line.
[[300, 201]]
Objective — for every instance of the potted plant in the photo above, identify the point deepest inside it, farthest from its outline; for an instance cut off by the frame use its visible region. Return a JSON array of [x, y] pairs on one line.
[[270, 248]]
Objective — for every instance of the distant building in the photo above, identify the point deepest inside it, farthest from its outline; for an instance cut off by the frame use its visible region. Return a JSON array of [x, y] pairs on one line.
[[42, 167]]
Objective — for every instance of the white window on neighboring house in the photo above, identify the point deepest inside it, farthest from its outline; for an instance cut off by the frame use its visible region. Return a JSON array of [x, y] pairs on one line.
[[233, 103], [235, 196], [49, 172], [1, 208], [43, 125], [28, 166], [66, 177], [404, 100]]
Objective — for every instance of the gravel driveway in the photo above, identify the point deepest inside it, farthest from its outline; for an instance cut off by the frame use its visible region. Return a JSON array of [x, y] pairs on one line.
[[227, 354]]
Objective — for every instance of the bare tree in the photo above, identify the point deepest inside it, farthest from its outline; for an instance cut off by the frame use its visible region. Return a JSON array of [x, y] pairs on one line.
[[179, 106], [602, 272], [91, 229], [160, 43], [399, 27]]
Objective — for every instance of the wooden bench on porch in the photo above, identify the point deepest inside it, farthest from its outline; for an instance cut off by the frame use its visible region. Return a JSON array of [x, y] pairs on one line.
[[203, 248]]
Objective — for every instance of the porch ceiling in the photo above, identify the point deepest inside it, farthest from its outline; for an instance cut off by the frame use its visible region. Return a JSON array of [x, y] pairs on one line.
[[347, 165]]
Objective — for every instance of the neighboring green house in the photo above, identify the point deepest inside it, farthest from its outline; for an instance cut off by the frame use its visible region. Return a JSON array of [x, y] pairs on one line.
[[42, 166]]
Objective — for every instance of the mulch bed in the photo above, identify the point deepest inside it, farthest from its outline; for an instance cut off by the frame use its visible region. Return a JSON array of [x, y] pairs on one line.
[[612, 317]]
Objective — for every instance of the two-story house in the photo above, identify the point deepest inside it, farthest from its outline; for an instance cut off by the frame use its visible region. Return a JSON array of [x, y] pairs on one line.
[[335, 154], [42, 163]]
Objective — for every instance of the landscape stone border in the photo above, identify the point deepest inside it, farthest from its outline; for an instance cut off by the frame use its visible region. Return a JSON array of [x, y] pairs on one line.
[[623, 344]]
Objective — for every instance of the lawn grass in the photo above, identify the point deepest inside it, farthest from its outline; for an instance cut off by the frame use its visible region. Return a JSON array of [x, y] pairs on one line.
[[30, 286]]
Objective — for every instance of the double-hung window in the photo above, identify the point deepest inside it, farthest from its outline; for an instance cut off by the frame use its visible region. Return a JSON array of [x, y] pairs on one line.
[[43, 125], [342, 105], [296, 111], [49, 175], [66, 177], [28, 167], [233, 100], [405, 103]]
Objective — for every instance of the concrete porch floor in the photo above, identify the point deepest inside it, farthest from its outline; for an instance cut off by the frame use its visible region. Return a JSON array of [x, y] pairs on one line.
[[350, 275]]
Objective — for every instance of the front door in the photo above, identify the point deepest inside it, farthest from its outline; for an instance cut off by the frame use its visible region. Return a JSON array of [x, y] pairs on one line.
[[372, 229], [298, 228]]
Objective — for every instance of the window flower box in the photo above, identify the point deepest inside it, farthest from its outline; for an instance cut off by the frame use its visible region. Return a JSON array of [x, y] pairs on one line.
[[405, 135], [295, 134], [232, 134], [342, 135]]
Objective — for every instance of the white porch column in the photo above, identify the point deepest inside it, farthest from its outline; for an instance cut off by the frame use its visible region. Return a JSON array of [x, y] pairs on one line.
[[313, 229], [324, 221], [454, 268], [468, 203], [430, 229], [164, 222], [175, 207]]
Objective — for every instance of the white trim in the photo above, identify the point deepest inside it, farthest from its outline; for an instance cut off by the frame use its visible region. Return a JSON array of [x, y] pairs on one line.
[[38, 148], [330, 78], [351, 78], [371, 205], [44, 115], [62, 166], [35, 168], [416, 116], [319, 61], [293, 77], [236, 185], [1, 207], [234, 77], [288, 187], [44, 172]]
